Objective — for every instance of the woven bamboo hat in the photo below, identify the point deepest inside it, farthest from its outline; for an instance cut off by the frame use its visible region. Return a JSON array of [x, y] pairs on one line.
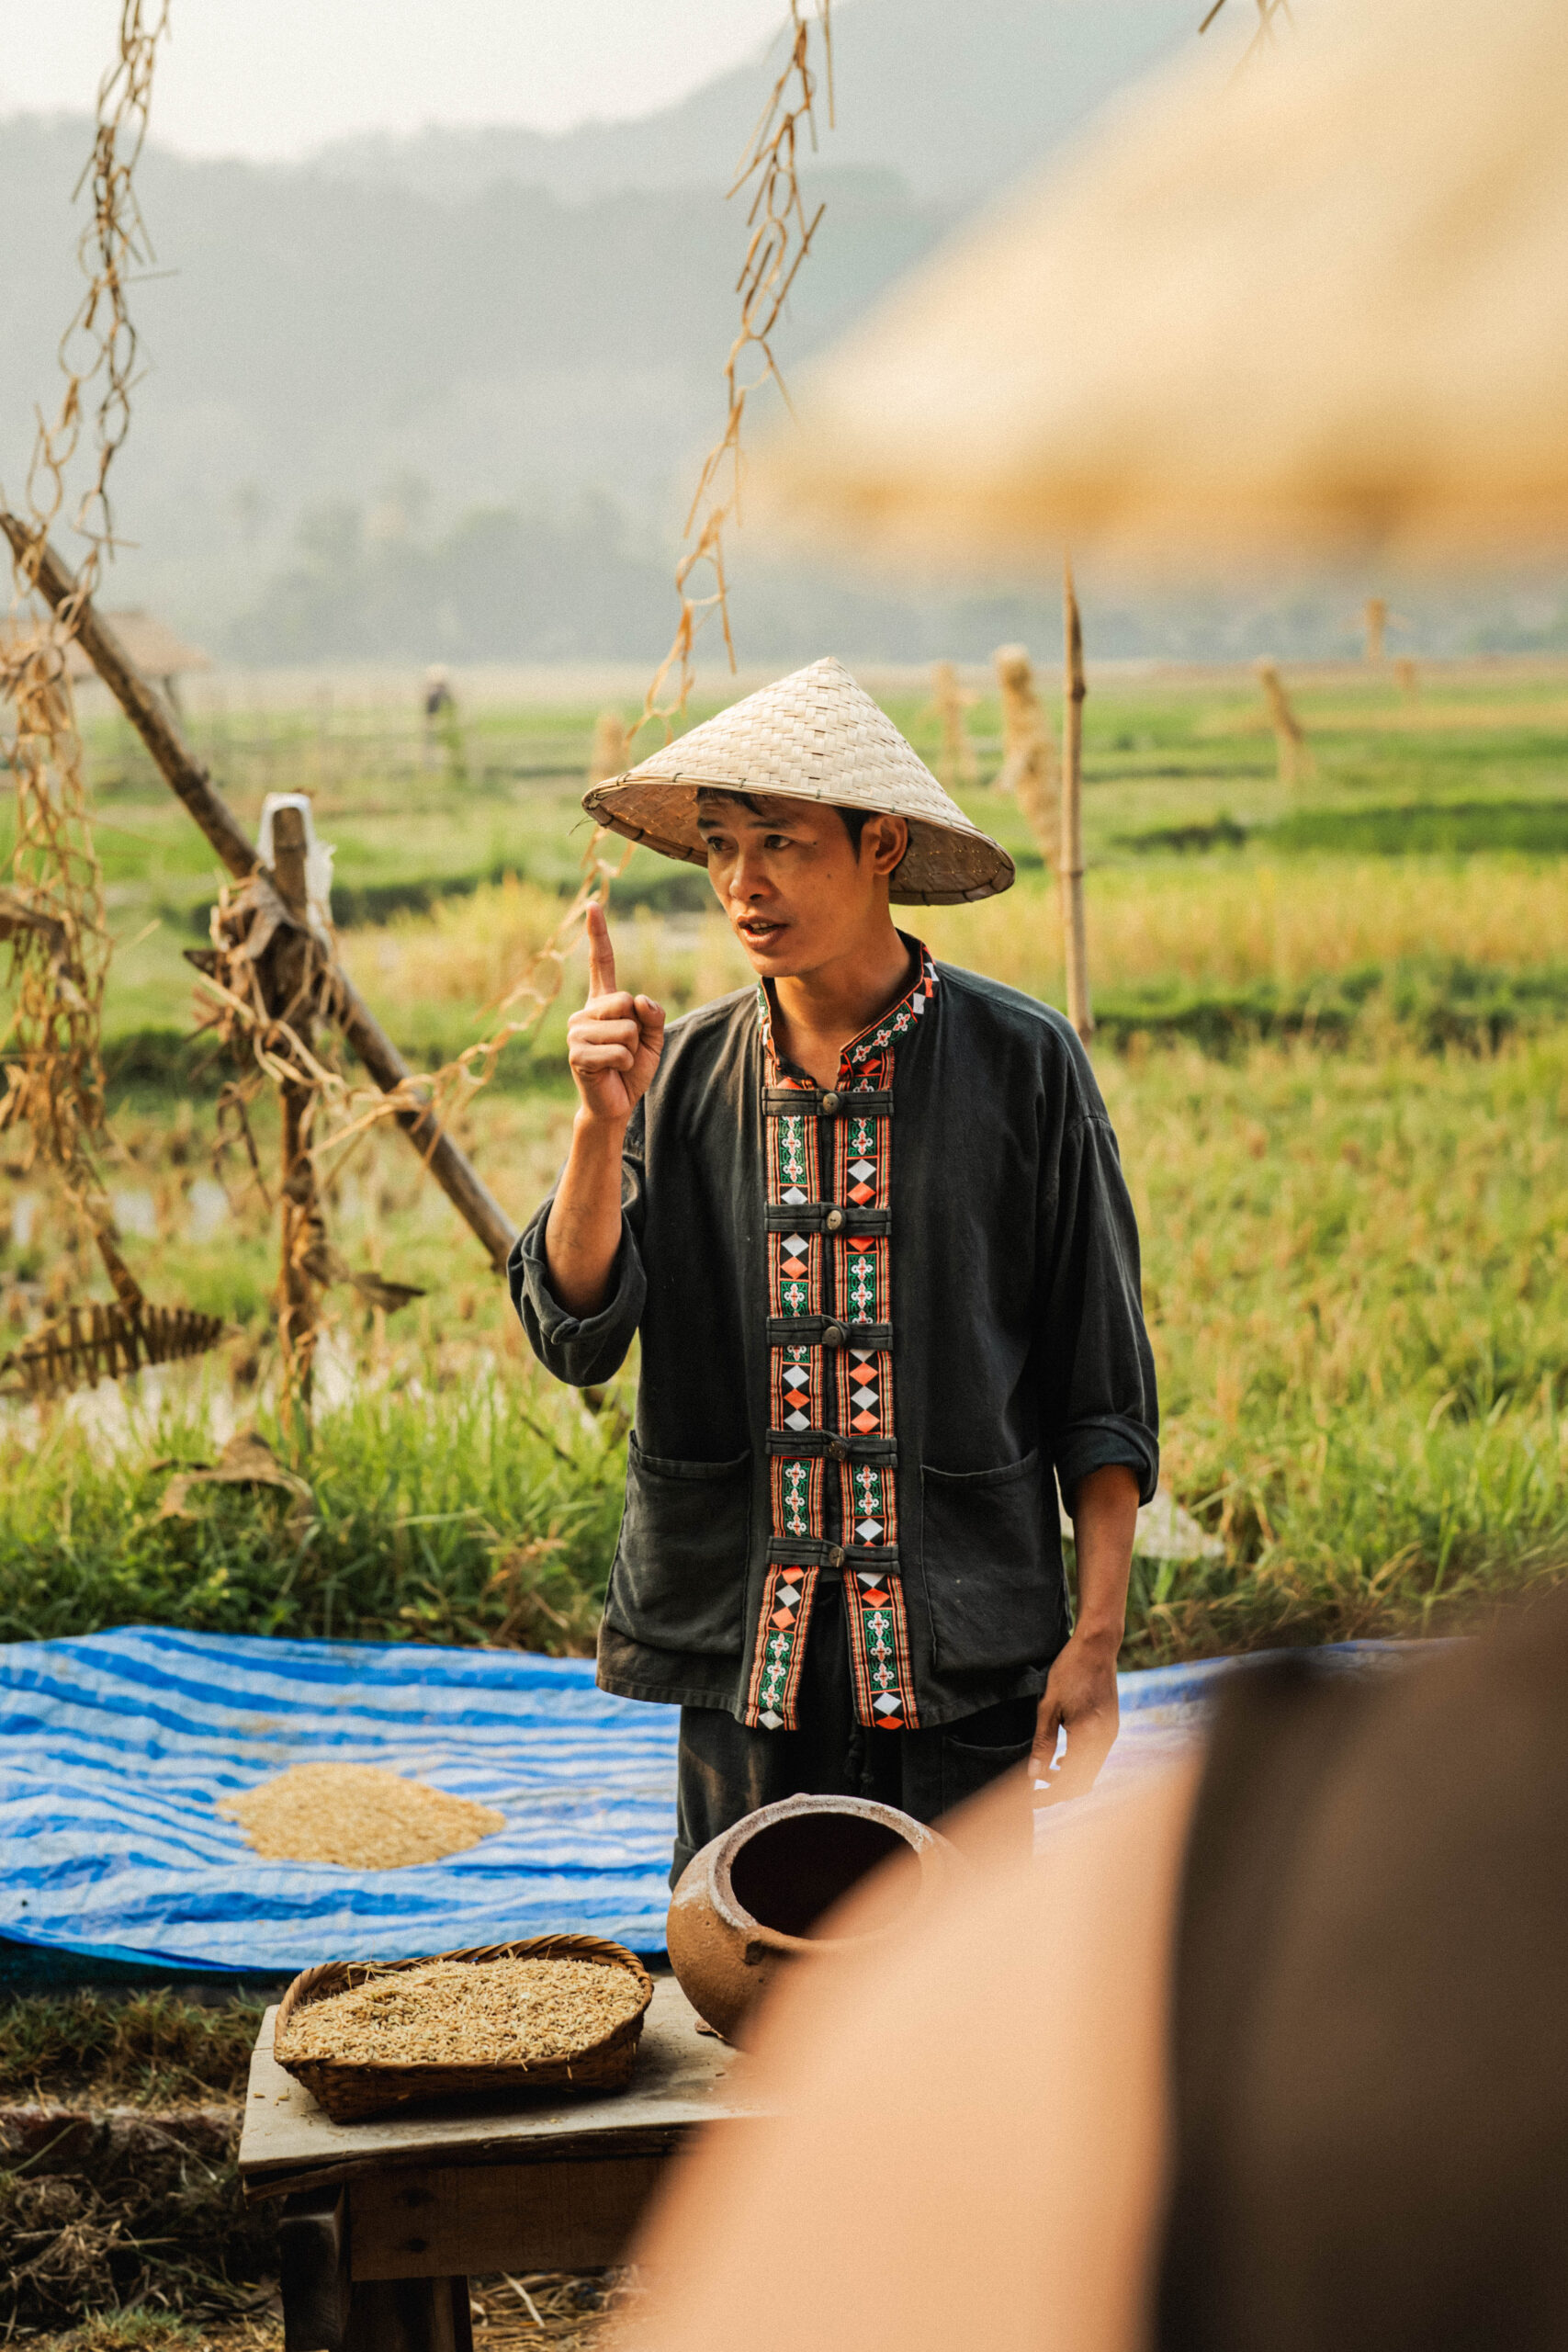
[[812, 736], [1318, 308]]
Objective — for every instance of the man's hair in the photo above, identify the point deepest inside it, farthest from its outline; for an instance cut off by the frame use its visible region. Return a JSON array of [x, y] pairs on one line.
[[854, 819]]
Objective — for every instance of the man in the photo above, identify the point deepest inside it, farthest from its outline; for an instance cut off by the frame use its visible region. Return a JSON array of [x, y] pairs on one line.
[[869, 1220]]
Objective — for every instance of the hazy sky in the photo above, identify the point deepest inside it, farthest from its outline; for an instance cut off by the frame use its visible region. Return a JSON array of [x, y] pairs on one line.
[[273, 77]]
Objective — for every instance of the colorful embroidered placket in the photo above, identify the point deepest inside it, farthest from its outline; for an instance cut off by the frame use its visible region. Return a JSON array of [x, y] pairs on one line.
[[845, 1413]]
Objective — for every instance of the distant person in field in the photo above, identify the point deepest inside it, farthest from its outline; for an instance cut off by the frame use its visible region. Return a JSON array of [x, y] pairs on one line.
[[869, 1220]]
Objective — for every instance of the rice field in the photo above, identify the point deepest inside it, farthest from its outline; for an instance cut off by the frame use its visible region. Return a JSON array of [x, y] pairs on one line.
[[1337, 1064]]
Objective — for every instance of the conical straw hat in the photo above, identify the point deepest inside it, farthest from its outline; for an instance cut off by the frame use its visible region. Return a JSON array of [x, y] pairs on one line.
[[812, 736], [1319, 305]]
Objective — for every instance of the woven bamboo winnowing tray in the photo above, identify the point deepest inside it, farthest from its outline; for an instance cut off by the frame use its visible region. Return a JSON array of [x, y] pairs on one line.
[[352, 2090]]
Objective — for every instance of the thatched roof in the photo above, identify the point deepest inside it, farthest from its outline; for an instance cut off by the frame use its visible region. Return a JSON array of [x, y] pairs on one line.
[[152, 645]]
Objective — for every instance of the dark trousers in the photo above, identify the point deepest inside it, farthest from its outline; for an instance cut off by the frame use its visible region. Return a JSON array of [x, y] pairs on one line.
[[727, 1771]]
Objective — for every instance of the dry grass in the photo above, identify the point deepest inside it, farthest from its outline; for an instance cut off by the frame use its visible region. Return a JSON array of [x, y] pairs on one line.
[[466, 2013], [470, 950], [1222, 924], [1237, 923], [358, 1817]]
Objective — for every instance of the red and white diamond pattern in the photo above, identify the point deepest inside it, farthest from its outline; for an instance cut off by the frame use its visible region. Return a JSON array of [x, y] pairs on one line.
[[859, 1267]]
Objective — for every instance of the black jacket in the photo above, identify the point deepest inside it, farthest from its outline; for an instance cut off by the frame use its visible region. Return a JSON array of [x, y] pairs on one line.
[[1018, 1347]]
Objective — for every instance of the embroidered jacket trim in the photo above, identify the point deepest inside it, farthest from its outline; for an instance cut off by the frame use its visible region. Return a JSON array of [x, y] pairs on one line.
[[831, 1403]]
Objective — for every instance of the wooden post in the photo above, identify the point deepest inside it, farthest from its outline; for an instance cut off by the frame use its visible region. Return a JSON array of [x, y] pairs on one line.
[[1289, 735], [1029, 753], [287, 977], [1073, 692], [192, 785], [957, 752], [1375, 617]]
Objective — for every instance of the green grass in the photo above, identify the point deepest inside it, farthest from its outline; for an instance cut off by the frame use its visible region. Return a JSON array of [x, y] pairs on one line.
[[1434, 1004], [150, 2050], [1332, 1035], [1356, 1279], [475, 1513]]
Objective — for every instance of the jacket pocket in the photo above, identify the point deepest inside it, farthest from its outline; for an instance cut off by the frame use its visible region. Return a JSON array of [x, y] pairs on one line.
[[993, 1585], [966, 1770], [679, 1578]]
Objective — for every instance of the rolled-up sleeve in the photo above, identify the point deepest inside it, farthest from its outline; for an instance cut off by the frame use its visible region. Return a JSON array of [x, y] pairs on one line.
[[1101, 1403], [583, 1350]]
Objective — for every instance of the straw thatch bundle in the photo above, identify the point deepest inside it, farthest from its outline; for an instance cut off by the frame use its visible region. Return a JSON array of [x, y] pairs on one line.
[[1315, 307]]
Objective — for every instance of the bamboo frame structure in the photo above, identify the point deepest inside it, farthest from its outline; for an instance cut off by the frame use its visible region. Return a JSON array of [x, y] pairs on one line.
[[189, 781], [291, 956], [1074, 939]]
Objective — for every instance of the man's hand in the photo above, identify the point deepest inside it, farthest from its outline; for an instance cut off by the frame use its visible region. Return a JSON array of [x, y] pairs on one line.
[[1080, 1694], [613, 1044]]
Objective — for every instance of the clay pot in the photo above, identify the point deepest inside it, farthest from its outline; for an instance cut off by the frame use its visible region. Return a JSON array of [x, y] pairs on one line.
[[750, 1905]]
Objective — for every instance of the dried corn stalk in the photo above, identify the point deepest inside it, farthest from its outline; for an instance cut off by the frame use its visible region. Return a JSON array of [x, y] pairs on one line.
[[611, 755], [956, 763], [52, 916], [1029, 752], [1289, 735]]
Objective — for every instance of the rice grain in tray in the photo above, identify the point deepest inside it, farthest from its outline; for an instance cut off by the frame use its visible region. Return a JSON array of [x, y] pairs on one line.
[[562, 2013], [466, 2013], [358, 1817]]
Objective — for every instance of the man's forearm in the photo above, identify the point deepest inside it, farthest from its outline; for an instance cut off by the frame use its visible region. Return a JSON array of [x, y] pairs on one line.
[[1105, 1519], [583, 1231]]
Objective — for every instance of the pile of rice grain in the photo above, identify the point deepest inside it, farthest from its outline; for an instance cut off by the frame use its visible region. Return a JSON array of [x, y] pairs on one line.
[[466, 2013], [358, 1817]]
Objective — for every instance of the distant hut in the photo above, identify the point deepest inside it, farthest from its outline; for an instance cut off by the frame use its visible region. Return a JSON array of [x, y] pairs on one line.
[[154, 649]]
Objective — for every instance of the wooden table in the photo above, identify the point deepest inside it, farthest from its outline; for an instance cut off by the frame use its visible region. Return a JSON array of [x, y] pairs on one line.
[[383, 2223]]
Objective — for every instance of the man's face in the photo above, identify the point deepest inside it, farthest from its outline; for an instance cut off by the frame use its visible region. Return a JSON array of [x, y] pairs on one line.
[[796, 892]]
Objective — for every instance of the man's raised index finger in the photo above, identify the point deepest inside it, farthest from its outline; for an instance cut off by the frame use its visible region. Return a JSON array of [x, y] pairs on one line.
[[600, 954]]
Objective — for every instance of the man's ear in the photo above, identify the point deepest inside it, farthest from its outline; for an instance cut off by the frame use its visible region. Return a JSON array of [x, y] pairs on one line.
[[889, 837]]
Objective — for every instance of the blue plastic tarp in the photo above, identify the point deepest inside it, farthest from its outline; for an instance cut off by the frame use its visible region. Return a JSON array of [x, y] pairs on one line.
[[117, 1749]]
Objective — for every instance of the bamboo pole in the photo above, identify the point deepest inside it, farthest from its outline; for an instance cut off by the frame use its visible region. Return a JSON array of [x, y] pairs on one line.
[[1289, 735], [191, 784], [1073, 690], [287, 980]]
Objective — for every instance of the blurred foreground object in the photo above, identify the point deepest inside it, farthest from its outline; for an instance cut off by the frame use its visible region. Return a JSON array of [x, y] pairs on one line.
[[1317, 309], [971, 2150], [1370, 2046], [1345, 2129]]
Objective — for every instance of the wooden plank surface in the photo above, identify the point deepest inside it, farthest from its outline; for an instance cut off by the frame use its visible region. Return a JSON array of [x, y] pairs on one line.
[[469, 2219], [682, 2079]]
